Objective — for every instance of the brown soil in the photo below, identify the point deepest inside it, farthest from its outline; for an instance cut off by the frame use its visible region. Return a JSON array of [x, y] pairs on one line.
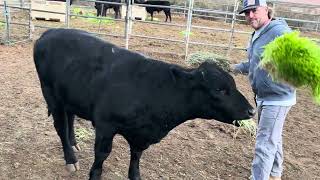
[[199, 149]]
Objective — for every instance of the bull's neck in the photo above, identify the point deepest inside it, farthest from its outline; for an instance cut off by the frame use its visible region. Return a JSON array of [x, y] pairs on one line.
[[177, 115]]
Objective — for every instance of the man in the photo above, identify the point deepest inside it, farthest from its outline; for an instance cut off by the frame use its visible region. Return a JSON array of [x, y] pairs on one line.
[[273, 99]]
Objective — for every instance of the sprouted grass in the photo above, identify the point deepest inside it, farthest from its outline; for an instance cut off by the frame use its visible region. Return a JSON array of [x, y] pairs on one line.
[[295, 60], [248, 126], [83, 134]]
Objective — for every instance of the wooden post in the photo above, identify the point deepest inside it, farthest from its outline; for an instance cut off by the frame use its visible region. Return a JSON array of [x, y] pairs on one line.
[[7, 19], [188, 30], [234, 18], [31, 27]]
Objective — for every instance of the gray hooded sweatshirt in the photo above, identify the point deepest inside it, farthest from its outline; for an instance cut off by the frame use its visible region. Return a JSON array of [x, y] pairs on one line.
[[266, 90]]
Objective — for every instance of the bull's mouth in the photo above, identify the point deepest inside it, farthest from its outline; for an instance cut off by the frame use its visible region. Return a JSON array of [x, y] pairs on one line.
[[239, 123], [248, 125], [236, 123]]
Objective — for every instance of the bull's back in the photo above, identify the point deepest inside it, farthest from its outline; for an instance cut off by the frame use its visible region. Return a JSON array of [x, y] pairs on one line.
[[83, 70], [70, 67], [70, 52]]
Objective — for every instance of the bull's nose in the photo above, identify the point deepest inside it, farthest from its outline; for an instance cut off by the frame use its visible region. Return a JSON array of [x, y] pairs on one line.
[[252, 112]]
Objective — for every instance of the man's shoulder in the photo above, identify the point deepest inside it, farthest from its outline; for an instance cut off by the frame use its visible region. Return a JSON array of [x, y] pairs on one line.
[[278, 27]]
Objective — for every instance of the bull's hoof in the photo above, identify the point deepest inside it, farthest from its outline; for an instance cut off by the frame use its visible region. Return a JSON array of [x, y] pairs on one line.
[[73, 167], [76, 148]]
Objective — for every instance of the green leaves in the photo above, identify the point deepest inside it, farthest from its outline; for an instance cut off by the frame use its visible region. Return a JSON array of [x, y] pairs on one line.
[[294, 60], [92, 18], [77, 11], [83, 134], [248, 126], [184, 33], [1, 25]]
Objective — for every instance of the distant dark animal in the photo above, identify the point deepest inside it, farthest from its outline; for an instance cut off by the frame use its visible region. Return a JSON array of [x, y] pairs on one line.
[[126, 93], [151, 10], [102, 8]]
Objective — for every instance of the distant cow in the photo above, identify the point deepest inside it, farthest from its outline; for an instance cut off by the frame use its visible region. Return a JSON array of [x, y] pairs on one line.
[[103, 7], [126, 93], [151, 10]]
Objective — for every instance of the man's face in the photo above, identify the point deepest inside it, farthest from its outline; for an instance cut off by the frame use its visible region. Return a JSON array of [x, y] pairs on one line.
[[257, 17]]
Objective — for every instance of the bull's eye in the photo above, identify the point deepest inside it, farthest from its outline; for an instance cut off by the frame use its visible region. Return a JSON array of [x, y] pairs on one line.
[[222, 91]]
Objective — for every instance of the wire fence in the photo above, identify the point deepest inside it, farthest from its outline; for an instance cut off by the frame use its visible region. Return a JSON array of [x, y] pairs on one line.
[[226, 13]]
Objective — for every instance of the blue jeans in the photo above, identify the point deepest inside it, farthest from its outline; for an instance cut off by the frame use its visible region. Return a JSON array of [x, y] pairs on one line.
[[268, 155]]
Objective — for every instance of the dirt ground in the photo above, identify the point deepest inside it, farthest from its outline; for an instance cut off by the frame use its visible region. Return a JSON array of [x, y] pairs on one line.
[[198, 149]]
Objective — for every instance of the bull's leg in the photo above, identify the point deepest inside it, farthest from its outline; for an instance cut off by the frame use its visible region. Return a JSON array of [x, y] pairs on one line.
[[151, 16], [117, 12], [104, 12], [168, 14], [102, 149], [98, 11], [134, 171], [99, 8], [61, 125], [72, 138]]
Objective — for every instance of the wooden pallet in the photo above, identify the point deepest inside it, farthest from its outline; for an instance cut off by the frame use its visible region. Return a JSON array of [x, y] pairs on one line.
[[48, 19], [52, 6], [138, 12]]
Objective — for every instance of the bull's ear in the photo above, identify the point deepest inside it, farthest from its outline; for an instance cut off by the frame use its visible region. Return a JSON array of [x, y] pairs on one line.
[[177, 73]]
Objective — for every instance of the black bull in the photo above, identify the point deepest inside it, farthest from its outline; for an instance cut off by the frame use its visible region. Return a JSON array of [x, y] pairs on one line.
[[103, 7], [126, 93]]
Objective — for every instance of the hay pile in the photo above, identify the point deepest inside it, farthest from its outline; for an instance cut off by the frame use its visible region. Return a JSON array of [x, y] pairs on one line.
[[197, 58]]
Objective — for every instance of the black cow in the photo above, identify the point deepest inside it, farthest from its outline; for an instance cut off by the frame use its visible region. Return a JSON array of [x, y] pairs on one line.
[[151, 10], [126, 93], [102, 8]]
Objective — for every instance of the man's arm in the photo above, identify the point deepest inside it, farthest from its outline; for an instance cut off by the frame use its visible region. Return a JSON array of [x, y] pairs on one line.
[[241, 68]]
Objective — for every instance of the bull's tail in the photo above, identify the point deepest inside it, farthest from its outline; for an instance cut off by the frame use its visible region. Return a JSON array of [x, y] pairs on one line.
[[39, 57]]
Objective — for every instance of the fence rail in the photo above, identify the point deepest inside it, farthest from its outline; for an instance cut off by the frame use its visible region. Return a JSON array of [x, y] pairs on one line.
[[227, 14]]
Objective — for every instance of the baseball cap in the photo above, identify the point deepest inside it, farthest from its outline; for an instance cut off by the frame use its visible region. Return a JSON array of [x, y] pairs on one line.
[[251, 4]]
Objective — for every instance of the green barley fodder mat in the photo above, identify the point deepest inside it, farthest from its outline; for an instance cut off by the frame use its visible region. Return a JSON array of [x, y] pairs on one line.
[[295, 60]]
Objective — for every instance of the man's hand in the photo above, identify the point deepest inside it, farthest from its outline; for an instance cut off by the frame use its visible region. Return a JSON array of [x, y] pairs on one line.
[[234, 70]]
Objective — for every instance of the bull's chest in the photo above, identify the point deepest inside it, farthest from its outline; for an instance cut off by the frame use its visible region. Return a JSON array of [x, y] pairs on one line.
[[146, 135]]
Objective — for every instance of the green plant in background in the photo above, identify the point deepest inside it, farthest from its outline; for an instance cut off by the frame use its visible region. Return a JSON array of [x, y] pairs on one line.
[[294, 60], [82, 134], [92, 17], [77, 11], [103, 20], [1, 25], [200, 57], [90, 14], [184, 33], [149, 19]]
